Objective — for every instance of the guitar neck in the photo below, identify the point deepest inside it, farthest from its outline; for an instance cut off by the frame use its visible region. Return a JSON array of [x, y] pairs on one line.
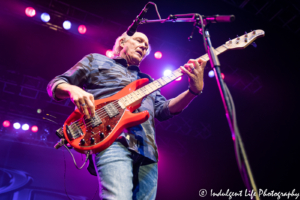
[[159, 83]]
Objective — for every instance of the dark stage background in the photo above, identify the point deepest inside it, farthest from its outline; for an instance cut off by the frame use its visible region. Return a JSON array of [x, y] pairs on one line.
[[195, 148]]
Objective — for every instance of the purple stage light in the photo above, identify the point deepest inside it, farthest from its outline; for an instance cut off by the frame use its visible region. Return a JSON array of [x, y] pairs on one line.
[[6, 123], [45, 17], [67, 25], [167, 72], [25, 127], [30, 12], [211, 73], [17, 125]]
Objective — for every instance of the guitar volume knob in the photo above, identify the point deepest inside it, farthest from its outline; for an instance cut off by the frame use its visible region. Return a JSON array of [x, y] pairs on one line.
[[82, 142], [102, 135], [92, 140], [108, 127]]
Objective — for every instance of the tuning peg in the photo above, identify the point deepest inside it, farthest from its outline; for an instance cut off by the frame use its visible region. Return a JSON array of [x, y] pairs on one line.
[[254, 44], [237, 39], [246, 34], [253, 32], [230, 41]]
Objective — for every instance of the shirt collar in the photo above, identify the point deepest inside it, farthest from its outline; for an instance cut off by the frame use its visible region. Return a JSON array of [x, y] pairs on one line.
[[124, 63]]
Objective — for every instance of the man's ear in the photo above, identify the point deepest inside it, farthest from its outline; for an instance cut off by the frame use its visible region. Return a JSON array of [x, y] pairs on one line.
[[122, 43]]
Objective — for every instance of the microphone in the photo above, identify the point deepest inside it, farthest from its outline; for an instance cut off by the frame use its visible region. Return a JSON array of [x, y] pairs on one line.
[[219, 18], [133, 27]]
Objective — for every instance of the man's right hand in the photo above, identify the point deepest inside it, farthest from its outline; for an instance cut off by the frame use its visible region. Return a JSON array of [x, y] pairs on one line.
[[83, 100]]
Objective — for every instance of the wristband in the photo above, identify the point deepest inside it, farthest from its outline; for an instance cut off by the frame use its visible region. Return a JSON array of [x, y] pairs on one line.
[[191, 91]]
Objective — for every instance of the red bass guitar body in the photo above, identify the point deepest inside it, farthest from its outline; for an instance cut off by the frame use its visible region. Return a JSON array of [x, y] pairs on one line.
[[96, 135]]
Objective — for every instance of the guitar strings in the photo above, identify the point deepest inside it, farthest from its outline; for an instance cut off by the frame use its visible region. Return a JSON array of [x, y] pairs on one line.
[[101, 111]]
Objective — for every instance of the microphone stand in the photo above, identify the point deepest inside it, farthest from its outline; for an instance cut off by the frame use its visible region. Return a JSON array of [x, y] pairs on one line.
[[244, 167], [203, 23]]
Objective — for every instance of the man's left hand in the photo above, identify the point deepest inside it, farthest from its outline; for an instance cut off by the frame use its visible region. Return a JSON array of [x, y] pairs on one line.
[[195, 69]]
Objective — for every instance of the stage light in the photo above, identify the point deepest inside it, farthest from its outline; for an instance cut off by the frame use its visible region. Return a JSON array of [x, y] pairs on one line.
[[30, 12], [211, 73], [17, 125], [67, 25], [82, 29], [109, 53], [39, 111], [25, 127], [158, 55], [222, 76], [34, 129], [167, 72], [45, 17], [6, 123], [178, 79]]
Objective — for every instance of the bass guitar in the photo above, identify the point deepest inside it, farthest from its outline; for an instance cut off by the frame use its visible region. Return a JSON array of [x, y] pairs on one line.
[[114, 114]]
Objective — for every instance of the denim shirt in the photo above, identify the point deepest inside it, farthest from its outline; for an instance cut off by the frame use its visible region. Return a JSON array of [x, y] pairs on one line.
[[104, 77]]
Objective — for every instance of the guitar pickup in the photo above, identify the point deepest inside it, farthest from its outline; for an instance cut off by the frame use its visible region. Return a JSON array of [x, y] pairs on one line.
[[74, 131], [111, 110], [94, 121]]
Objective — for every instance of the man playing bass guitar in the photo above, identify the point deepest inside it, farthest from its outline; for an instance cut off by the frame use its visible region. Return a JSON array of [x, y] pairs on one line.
[[128, 168]]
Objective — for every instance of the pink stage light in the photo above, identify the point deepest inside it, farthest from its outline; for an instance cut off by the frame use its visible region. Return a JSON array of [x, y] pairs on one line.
[[158, 55], [30, 12], [109, 53], [82, 29], [222, 76], [178, 79], [34, 129], [6, 123]]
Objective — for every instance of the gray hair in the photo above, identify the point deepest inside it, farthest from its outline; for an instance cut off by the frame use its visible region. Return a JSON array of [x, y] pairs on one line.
[[117, 48]]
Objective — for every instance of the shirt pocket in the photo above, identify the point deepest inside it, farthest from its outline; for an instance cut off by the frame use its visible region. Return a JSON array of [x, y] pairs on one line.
[[110, 74]]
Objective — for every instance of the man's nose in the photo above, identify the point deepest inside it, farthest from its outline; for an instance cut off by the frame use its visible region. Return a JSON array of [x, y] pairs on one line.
[[144, 47]]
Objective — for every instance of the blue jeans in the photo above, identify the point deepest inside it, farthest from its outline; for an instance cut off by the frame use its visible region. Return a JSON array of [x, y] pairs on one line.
[[121, 175]]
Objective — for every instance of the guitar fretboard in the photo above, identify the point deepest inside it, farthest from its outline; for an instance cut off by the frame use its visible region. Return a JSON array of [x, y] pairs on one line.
[[159, 83]]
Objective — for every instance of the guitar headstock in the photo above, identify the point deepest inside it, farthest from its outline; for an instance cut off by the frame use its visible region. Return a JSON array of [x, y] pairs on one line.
[[245, 40]]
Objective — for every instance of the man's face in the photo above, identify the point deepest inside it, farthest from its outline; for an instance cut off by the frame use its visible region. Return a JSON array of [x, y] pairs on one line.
[[135, 48]]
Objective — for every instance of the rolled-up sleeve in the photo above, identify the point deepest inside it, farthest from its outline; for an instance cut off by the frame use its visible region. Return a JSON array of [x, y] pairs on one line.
[[161, 105], [77, 75]]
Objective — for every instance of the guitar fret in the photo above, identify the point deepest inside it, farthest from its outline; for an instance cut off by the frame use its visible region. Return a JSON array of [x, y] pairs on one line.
[[134, 96], [128, 99], [165, 78], [177, 73], [157, 83], [161, 82], [172, 76], [148, 89], [205, 57], [144, 90], [152, 87], [138, 93]]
